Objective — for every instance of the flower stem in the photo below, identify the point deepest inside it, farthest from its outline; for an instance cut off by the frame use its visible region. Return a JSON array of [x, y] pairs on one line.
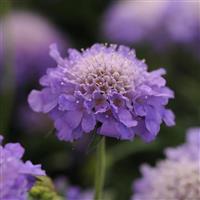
[[100, 169], [7, 82], [5, 6]]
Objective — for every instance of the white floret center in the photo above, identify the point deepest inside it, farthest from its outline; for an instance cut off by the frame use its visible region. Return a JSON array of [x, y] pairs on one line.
[[107, 72], [177, 181]]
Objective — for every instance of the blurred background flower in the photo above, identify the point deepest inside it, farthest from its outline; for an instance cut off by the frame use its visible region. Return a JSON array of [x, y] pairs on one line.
[[25, 40], [28, 36], [177, 177], [75, 192], [190, 149], [71, 192], [31, 122], [153, 22]]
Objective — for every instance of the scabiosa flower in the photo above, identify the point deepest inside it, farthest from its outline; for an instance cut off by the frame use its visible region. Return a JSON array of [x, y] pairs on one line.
[[16, 177], [177, 177], [153, 22], [103, 87], [190, 149], [26, 37]]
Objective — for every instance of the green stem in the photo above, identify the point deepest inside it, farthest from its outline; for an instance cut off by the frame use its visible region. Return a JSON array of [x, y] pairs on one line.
[[5, 6], [7, 83], [100, 169]]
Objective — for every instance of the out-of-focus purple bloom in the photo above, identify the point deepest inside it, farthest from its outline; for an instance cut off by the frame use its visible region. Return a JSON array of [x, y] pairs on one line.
[[177, 177], [32, 122], [132, 21], [155, 22], [16, 177], [75, 193], [191, 149], [184, 27], [61, 184], [105, 87], [71, 192], [27, 36]]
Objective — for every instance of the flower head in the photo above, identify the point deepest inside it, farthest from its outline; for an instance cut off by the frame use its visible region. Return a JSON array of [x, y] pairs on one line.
[[103, 87], [26, 37], [16, 177], [177, 177]]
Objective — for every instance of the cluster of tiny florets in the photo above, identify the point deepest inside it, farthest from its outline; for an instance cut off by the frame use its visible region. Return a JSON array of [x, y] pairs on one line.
[[170, 180], [102, 72], [104, 86]]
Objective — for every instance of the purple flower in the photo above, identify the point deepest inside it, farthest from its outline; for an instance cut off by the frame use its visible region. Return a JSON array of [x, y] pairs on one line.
[[154, 22], [32, 122], [103, 87], [190, 149], [177, 177], [125, 21], [16, 177], [75, 193], [72, 192], [27, 36]]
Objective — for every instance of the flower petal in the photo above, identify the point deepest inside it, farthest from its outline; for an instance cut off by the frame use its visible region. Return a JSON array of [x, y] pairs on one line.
[[73, 118], [42, 101], [67, 102], [124, 132], [169, 118], [88, 122], [126, 118], [15, 149], [152, 126], [109, 128]]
